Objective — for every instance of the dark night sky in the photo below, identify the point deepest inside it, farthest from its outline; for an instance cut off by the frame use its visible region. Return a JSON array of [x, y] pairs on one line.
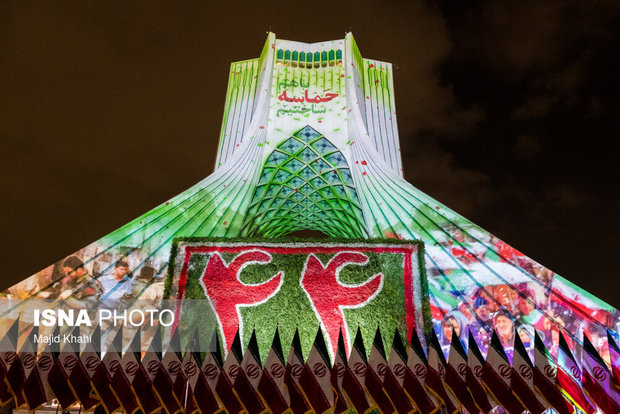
[[508, 113]]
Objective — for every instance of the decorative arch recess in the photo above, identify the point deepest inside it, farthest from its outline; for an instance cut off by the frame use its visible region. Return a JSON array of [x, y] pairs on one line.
[[305, 184]]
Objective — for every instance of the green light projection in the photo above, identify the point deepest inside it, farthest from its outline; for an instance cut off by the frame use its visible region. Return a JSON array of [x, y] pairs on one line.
[[271, 145], [305, 183]]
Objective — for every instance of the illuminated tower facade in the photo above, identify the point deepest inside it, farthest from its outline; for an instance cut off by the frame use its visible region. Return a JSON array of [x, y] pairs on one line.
[[309, 141]]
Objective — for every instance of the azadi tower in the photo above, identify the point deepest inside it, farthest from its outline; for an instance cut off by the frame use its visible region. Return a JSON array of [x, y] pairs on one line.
[[309, 141]]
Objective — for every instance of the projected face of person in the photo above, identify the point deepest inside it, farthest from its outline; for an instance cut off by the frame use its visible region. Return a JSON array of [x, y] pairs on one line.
[[73, 274], [503, 326], [483, 312], [448, 325], [525, 336], [120, 272]]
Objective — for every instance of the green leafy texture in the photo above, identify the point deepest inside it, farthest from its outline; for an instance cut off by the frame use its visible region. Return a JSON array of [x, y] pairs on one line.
[[290, 308]]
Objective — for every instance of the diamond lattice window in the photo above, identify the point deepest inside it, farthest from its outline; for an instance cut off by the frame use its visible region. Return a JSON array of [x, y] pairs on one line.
[[305, 185]]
